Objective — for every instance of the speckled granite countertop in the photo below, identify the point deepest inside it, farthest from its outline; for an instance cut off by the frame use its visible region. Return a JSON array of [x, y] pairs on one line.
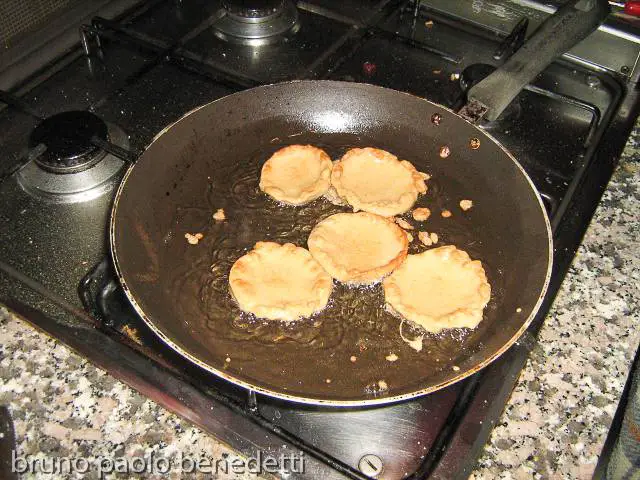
[[554, 425]]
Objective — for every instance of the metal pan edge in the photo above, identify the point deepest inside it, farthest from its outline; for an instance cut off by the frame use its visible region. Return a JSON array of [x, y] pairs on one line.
[[318, 401]]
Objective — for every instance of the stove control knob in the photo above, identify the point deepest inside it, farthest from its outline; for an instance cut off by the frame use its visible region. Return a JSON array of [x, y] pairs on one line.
[[371, 465]]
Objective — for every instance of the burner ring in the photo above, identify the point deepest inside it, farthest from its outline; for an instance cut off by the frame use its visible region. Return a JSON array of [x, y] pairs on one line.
[[67, 136], [85, 185]]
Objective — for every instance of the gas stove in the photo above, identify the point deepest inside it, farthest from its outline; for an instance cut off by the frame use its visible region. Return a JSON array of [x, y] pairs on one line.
[[69, 131]]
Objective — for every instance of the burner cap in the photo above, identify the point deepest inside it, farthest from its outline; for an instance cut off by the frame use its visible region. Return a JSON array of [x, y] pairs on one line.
[[67, 137], [255, 22], [253, 9]]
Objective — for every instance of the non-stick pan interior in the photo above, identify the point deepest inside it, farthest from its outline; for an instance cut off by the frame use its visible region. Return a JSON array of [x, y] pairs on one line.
[[211, 159]]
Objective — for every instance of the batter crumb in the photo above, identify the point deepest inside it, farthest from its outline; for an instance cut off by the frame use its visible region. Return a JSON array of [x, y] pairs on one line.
[[425, 238], [383, 385], [466, 204], [404, 224], [392, 357], [228, 359], [416, 343], [455, 368], [219, 216], [328, 380], [193, 238], [518, 309], [446, 213], [132, 333], [409, 237], [433, 237], [421, 214], [353, 358]]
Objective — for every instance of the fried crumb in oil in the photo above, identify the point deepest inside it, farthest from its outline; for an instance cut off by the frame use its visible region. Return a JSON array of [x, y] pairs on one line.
[[132, 333], [328, 380], [383, 385], [466, 204], [193, 238], [456, 368], [446, 213], [409, 237], [425, 238], [433, 237], [421, 214], [219, 216], [392, 357], [404, 224], [228, 359], [353, 358]]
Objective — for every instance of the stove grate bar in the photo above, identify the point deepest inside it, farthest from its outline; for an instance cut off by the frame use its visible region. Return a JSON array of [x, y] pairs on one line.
[[449, 57], [39, 149], [327, 13], [27, 156], [592, 109], [19, 104], [175, 53], [357, 33]]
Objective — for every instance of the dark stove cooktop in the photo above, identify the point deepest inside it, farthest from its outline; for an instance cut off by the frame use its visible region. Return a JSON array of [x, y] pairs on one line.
[[162, 59]]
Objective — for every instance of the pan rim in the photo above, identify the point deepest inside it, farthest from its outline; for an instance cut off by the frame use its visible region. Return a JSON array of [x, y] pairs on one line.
[[320, 401]]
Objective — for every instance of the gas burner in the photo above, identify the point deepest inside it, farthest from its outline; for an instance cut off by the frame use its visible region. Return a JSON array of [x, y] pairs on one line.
[[477, 72], [256, 22], [72, 169], [67, 138]]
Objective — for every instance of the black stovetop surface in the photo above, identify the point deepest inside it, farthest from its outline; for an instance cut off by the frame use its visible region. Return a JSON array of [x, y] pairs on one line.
[[162, 60]]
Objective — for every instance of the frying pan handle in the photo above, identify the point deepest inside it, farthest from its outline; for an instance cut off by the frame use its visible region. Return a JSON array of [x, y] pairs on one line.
[[571, 23]]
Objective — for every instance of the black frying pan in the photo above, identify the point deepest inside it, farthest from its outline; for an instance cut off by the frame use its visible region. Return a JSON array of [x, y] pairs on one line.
[[211, 158]]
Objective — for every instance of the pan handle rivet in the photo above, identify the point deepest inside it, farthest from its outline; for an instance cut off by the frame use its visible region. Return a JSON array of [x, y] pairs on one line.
[[445, 151], [436, 118], [474, 143], [371, 465]]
